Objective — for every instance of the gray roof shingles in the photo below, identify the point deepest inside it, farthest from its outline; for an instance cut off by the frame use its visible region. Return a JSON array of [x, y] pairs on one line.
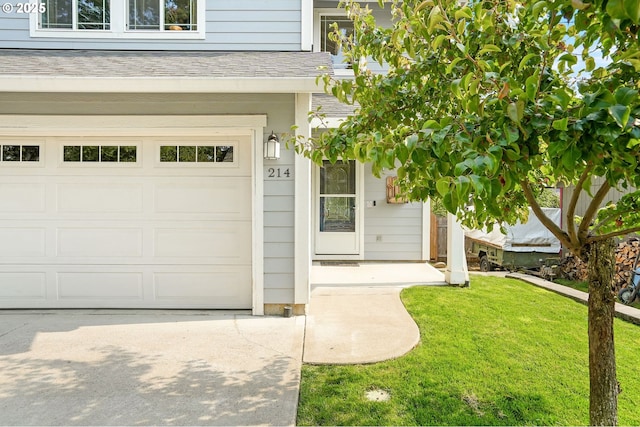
[[132, 64], [330, 106]]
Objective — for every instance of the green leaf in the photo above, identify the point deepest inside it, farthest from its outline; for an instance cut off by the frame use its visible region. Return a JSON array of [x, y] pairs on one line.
[[431, 124], [515, 111], [512, 154], [578, 4], [569, 58], [435, 18], [453, 64], [632, 7], [462, 187], [531, 86], [437, 42], [570, 157], [402, 152], [473, 87], [590, 64], [465, 12], [625, 95], [455, 88], [615, 8], [489, 48], [526, 59], [512, 112], [411, 141], [442, 186], [511, 133], [620, 114], [561, 124]]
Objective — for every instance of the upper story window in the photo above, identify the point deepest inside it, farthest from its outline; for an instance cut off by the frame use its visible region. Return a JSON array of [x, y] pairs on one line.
[[324, 27], [75, 15], [164, 19], [171, 15]]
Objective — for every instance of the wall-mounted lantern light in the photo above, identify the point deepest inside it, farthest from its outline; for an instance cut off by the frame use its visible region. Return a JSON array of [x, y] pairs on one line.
[[272, 147]]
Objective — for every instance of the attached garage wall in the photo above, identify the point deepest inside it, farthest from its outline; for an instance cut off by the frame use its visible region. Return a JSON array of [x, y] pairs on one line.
[[278, 192]]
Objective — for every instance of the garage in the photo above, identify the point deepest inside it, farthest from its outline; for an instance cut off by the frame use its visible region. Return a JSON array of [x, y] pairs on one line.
[[118, 221]]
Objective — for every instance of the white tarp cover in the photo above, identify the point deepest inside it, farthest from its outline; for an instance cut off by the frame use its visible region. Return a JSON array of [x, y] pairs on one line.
[[529, 237]]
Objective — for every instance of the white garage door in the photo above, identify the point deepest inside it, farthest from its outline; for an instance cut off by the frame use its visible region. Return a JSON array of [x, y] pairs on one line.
[[125, 222]]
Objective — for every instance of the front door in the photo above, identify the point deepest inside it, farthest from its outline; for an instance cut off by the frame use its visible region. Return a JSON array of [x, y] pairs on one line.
[[337, 219]]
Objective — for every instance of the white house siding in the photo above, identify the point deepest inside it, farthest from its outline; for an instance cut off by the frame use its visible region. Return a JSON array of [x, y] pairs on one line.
[[392, 231], [249, 25], [278, 193]]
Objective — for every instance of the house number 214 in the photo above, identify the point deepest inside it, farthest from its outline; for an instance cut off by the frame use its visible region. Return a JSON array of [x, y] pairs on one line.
[[276, 173]]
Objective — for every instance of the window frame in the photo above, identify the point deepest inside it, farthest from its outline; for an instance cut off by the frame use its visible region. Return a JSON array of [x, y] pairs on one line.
[[119, 14], [340, 69]]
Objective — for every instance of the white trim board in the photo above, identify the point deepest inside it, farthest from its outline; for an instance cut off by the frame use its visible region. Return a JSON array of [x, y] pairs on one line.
[[168, 125], [159, 85]]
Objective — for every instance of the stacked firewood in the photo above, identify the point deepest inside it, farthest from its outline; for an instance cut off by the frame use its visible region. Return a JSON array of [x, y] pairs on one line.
[[626, 255], [572, 268]]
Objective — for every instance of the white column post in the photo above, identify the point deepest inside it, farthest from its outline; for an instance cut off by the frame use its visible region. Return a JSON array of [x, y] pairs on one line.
[[302, 206], [306, 23], [456, 272], [426, 231]]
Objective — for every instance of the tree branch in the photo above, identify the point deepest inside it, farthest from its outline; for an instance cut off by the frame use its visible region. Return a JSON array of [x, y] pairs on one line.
[[610, 218], [592, 209], [548, 223], [571, 225], [612, 234]]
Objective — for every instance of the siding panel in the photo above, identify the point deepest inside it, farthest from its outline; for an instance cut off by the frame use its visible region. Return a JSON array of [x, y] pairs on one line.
[[392, 231], [256, 25]]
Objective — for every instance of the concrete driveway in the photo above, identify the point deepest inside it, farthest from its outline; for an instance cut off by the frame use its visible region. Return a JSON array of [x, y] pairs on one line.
[[148, 368]]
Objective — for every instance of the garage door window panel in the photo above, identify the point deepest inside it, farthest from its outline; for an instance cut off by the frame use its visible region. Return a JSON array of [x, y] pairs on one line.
[[20, 153], [197, 154], [106, 154]]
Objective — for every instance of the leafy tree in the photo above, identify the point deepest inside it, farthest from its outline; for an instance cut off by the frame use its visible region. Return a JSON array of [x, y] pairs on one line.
[[484, 104], [548, 198]]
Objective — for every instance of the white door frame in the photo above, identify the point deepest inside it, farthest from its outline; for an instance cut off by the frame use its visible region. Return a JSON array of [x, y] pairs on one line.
[[201, 125], [359, 216]]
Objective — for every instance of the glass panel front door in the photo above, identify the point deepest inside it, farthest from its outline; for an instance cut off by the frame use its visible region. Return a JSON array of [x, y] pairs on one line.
[[337, 219]]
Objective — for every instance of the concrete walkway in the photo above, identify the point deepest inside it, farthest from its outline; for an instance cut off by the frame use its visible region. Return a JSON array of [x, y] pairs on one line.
[[132, 368], [354, 325], [356, 316]]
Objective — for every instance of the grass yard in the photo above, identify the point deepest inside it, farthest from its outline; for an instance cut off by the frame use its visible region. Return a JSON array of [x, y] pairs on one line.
[[584, 287], [581, 286], [501, 352]]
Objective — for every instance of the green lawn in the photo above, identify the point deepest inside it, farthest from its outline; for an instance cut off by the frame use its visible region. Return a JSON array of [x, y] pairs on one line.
[[584, 287], [501, 352]]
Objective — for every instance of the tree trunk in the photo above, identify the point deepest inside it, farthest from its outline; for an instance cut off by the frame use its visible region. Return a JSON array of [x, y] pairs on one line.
[[603, 397]]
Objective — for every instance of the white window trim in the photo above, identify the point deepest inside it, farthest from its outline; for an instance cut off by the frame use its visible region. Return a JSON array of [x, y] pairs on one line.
[[318, 14], [118, 28]]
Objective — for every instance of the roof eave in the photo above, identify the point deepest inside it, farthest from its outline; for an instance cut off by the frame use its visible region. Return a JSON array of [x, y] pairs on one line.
[[62, 84]]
